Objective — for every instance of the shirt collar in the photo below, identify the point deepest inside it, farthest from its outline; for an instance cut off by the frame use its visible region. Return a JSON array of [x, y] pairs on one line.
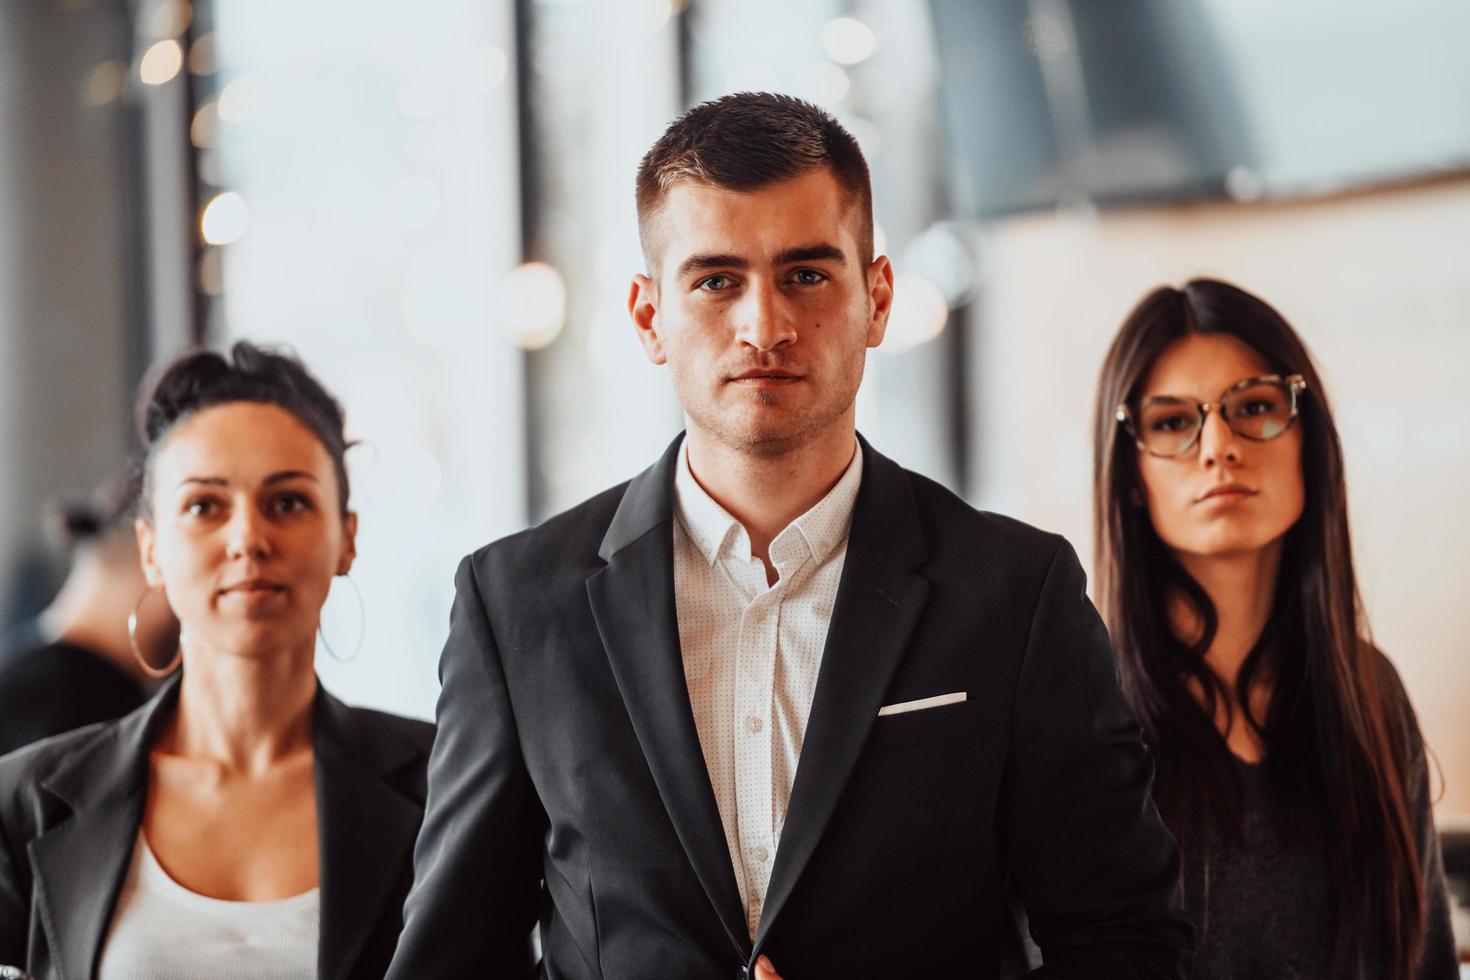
[[826, 525], [713, 530]]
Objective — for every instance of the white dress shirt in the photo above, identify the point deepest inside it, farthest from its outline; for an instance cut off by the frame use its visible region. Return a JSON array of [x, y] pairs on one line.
[[751, 654]]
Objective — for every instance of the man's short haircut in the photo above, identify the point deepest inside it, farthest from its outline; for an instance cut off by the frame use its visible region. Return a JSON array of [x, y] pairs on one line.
[[746, 141]]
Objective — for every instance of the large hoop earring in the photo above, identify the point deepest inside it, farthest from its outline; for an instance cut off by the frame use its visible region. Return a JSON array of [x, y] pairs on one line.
[[157, 673], [361, 629]]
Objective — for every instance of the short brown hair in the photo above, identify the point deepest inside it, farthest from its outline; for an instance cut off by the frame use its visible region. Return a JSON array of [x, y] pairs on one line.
[[747, 141]]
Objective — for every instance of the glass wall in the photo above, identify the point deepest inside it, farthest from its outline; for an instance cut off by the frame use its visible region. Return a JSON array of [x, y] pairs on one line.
[[362, 207]]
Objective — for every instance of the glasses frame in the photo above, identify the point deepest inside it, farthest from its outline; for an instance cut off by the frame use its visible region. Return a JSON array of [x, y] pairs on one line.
[[1295, 385]]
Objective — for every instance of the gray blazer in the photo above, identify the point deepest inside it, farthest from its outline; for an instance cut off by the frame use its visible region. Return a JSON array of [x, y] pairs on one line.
[[71, 806]]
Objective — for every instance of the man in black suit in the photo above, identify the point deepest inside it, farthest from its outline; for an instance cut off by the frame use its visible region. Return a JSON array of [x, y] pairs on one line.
[[629, 687]]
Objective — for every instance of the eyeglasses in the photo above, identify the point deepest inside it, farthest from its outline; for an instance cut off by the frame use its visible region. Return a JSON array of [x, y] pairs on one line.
[[1259, 409]]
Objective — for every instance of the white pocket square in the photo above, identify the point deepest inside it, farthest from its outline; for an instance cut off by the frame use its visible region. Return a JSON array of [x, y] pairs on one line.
[[922, 703]]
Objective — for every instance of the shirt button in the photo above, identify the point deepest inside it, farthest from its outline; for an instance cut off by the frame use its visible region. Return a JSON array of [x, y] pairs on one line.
[[753, 724], [761, 854]]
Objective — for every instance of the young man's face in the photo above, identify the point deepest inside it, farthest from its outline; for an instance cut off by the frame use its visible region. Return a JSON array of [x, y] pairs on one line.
[[763, 309]]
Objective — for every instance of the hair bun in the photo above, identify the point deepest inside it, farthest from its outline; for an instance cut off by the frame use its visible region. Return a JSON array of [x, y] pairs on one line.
[[80, 522], [201, 379]]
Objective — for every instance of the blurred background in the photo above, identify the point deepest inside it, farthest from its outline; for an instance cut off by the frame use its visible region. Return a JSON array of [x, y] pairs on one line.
[[432, 203]]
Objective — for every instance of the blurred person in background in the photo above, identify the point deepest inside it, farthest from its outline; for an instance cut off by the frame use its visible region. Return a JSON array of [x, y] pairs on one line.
[[1291, 766], [244, 822], [73, 664], [778, 700]]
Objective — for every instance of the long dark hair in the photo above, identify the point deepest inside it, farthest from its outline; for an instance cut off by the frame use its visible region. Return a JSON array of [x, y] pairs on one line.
[[1336, 742]]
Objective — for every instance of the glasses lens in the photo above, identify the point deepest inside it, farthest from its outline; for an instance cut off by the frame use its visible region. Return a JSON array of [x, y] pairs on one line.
[[1167, 426], [1262, 411]]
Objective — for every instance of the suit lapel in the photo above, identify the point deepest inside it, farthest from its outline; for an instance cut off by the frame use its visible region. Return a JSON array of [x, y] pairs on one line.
[[878, 603], [81, 862], [80, 866], [632, 600], [366, 829]]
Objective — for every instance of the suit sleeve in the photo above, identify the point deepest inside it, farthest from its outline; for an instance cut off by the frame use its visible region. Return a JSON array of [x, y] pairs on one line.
[[1094, 866], [14, 909], [15, 869], [477, 862]]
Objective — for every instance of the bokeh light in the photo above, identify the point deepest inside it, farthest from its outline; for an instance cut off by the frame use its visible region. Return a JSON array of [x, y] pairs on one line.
[[532, 304], [1245, 184], [944, 255], [240, 99], [204, 130], [105, 83], [225, 219], [848, 41], [170, 18], [204, 55], [211, 272], [918, 316], [161, 62], [822, 82]]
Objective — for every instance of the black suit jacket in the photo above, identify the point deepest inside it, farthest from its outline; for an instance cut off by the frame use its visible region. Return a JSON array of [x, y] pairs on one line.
[[57, 687], [567, 776], [71, 806]]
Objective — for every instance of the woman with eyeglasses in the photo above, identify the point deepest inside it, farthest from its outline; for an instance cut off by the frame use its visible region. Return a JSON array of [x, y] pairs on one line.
[[1290, 763], [244, 822]]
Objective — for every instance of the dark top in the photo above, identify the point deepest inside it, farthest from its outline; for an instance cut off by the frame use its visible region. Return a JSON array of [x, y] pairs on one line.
[[1263, 908], [71, 806], [57, 687], [567, 780]]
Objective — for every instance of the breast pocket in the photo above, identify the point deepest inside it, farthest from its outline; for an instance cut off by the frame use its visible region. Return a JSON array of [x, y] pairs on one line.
[[925, 726]]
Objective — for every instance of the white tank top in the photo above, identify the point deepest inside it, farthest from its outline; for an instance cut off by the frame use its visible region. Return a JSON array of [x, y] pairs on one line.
[[163, 931]]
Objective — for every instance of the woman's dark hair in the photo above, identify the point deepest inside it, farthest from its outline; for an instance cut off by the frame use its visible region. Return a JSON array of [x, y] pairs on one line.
[[1338, 743], [104, 517], [204, 379]]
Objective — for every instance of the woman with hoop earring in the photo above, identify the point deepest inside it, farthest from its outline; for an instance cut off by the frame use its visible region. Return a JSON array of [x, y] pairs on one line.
[[244, 822], [1290, 763]]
